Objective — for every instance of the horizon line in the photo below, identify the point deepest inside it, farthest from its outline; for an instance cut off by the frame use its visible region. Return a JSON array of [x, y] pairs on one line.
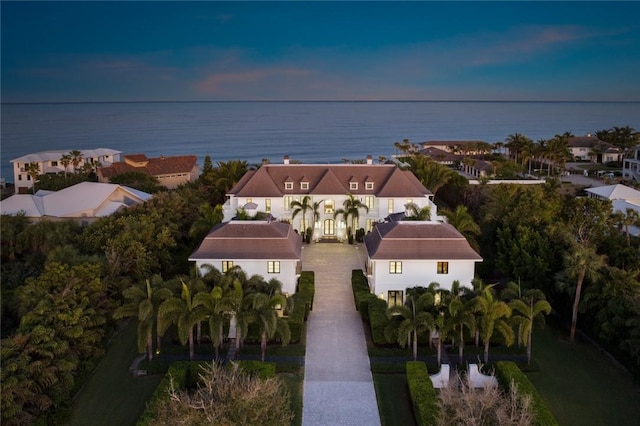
[[318, 101]]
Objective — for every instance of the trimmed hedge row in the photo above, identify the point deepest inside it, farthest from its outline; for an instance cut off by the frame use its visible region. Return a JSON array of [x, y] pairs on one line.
[[378, 320], [508, 372], [423, 395], [359, 284], [302, 304]]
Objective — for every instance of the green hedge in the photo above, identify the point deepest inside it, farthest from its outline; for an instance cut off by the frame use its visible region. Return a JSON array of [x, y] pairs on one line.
[[423, 395], [302, 304], [264, 370], [306, 289], [378, 320], [508, 372], [359, 284]]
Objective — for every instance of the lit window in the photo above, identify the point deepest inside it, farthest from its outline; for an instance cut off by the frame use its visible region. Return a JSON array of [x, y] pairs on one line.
[[395, 267], [353, 185], [369, 225], [287, 202], [368, 201], [248, 200], [304, 185], [226, 265], [288, 185], [390, 204], [443, 267], [368, 186], [267, 205], [273, 267], [329, 206], [394, 298]]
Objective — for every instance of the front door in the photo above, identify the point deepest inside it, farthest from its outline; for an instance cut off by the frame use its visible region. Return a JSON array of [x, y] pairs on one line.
[[329, 227]]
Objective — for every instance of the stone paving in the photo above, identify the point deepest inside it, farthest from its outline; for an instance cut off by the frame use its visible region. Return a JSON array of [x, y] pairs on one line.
[[338, 386]]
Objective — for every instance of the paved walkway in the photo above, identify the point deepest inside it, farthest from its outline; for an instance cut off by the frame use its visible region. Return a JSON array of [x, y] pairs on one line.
[[338, 387]]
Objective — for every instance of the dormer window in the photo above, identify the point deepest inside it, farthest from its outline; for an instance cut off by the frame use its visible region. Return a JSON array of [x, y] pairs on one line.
[[304, 186], [368, 186], [288, 186], [353, 186]]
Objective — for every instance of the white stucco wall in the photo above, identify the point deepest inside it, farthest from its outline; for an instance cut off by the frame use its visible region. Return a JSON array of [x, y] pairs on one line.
[[418, 273], [287, 276]]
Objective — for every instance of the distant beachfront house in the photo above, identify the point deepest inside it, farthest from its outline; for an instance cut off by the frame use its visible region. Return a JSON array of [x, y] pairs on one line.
[[441, 156], [51, 162], [455, 147], [383, 188], [170, 171], [631, 165], [406, 254], [268, 249], [590, 148], [477, 168], [84, 202]]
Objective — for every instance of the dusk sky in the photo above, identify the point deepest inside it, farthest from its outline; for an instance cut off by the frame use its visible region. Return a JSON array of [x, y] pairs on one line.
[[166, 51]]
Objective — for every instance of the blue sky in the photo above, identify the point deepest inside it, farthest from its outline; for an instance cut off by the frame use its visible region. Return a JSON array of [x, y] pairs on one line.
[[137, 51]]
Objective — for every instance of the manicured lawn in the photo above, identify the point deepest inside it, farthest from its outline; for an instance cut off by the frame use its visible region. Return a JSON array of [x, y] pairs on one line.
[[580, 386], [112, 395], [394, 402]]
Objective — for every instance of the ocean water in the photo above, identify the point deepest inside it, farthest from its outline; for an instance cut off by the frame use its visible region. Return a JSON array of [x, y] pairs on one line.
[[312, 132]]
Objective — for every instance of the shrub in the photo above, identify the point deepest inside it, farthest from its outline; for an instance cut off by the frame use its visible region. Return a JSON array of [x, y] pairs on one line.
[[296, 318], [423, 395], [359, 284], [378, 320], [507, 372], [264, 370], [461, 404], [226, 396]]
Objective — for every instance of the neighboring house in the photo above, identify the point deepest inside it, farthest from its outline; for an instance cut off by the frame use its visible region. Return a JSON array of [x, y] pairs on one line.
[[383, 188], [170, 171], [84, 202], [454, 147], [622, 206], [477, 168], [591, 148], [631, 165], [441, 156], [406, 254], [615, 192], [269, 249], [51, 162]]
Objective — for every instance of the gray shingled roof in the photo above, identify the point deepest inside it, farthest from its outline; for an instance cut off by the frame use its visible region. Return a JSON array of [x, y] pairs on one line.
[[250, 240], [418, 240]]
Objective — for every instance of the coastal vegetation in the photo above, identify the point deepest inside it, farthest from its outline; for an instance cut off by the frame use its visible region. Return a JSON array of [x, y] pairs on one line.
[[66, 289]]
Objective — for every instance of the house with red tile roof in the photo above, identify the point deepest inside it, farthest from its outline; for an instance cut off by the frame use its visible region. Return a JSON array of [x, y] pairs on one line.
[[406, 254], [171, 172], [384, 188], [268, 249]]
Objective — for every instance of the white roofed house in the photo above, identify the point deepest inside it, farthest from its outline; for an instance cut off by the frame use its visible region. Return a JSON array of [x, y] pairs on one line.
[[84, 202], [407, 254], [268, 249], [383, 188], [51, 162]]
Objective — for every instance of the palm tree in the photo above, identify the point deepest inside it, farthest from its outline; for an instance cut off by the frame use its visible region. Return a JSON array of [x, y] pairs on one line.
[[143, 303], [227, 174], [208, 218], [410, 319], [417, 213], [352, 206], [515, 143], [458, 316], [65, 160], [215, 306], [631, 217], [461, 219], [33, 170], [530, 309], [303, 207], [262, 312], [581, 262], [76, 159], [181, 312], [492, 311]]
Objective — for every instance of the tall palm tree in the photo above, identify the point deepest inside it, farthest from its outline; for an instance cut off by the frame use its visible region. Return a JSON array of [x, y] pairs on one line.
[[76, 159], [262, 312], [143, 303], [631, 217], [302, 206], [227, 174], [33, 170], [215, 305], [515, 143], [409, 320], [493, 313], [529, 309], [65, 160], [461, 219], [458, 317], [181, 312], [581, 262], [351, 210], [208, 218]]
